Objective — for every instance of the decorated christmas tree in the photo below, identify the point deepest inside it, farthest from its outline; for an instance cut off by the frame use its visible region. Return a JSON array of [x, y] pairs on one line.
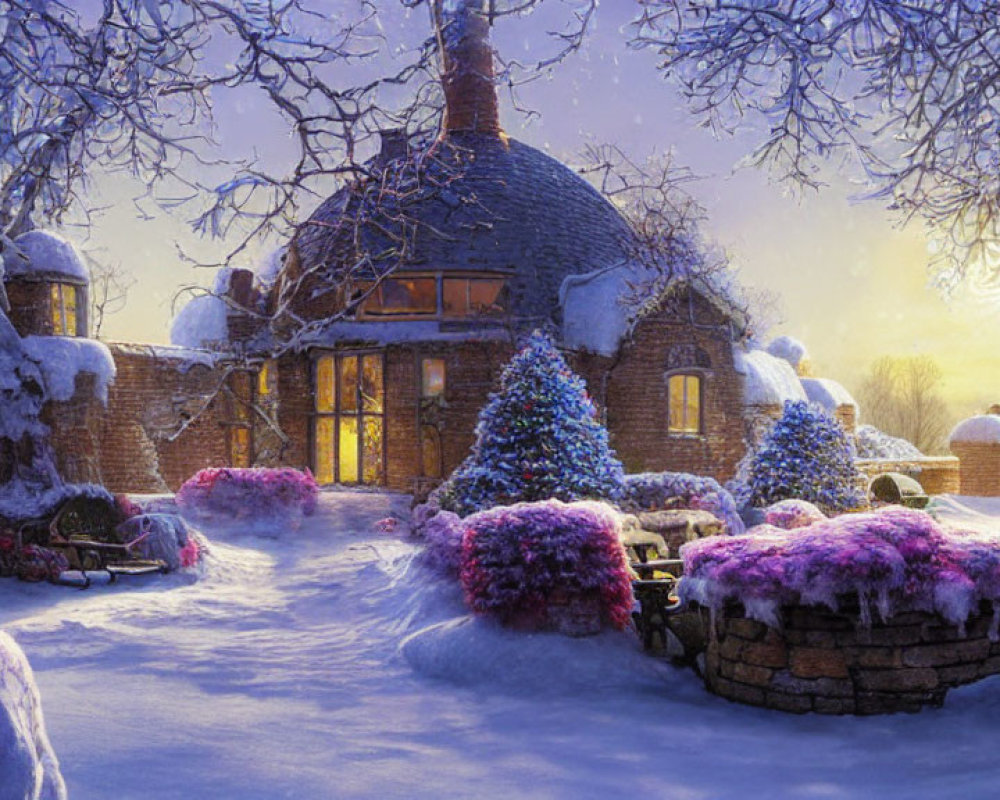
[[537, 438], [806, 456]]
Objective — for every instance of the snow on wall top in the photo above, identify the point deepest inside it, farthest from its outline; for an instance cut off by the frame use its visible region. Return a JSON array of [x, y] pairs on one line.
[[392, 332], [981, 429], [873, 443], [768, 380], [789, 349], [827, 393], [62, 358], [43, 253], [186, 357]]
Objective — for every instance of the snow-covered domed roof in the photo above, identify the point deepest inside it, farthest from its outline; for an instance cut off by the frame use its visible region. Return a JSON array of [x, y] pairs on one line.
[[43, 253], [789, 349], [981, 429], [768, 380], [827, 393], [202, 322]]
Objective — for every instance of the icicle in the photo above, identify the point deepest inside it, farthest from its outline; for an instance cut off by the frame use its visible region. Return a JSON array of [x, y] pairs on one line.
[[884, 603], [864, 605]]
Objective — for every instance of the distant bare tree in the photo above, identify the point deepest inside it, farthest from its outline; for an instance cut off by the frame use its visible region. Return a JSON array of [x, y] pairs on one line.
[[900, 396], [109, 288]]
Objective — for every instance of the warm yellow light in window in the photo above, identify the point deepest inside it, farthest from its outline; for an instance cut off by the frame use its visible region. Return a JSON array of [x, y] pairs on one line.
[[371, 383], [373, 450], [264, 379], [430, 451], [69, 309], [240, 447], [348, 455], [349, 384], [684, 404], [432, 377], [326, 388], [325, 436]]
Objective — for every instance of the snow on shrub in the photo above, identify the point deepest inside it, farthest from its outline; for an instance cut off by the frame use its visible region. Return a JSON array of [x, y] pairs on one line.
[[162, 537], [443, 543], [517, 560], [657, 491], [789, 514], [873, 443], [805, 456], [255, 494], [29, 769], [537, 438], [895, 558]]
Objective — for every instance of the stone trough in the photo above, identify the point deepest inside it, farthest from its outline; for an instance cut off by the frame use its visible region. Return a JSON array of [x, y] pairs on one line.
[[826, 662]]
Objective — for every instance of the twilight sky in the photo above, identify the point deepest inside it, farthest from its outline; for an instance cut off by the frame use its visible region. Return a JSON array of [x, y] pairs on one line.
[[851, 285]]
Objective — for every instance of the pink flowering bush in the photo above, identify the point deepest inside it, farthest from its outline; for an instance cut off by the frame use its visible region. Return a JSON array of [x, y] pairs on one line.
[[517, 559], [895, 559], [250, 493], [789, 514]]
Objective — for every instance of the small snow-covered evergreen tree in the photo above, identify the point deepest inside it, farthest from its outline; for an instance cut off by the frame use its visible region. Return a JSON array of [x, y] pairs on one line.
[[537, 438], [805, 456]]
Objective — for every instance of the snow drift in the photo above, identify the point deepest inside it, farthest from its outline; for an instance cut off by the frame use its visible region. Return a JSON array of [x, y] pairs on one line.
[[29, 769]]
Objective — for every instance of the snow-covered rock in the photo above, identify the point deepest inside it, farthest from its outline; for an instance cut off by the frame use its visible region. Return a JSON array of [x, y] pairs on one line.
[[29, 769], [45, 253], [789, 349], [981, 429], [828, 393], [62, 358], [768, 380]]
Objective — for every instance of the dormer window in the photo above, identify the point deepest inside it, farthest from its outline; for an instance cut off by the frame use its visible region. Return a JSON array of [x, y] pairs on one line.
[[401, 297], [63, 302], [684, 403]]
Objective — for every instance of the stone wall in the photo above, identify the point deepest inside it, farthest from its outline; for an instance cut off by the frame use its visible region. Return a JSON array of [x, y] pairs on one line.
[[824, 662], [980, 468], [937, 474]]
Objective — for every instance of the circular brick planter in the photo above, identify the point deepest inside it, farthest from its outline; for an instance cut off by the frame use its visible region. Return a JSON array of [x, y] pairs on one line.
[[825, 662]]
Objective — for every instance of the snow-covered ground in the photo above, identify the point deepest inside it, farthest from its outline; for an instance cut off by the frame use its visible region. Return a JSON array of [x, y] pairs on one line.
[[327, 663]]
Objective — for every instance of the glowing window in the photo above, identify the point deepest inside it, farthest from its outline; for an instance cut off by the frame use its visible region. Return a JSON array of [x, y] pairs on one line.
[[63, 304], [348, 450], [430, 451], [325, 444], [239, 447], [684, 404], [432, 375], [349, 384], [472, 297], [266, 379], [371, 383], [326, 384], [402, 296]]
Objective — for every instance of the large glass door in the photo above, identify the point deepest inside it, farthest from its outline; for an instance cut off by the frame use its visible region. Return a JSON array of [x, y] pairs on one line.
[[349, 426]]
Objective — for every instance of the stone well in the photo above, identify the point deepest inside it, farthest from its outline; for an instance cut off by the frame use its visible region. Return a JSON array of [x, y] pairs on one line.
[[826, 662]]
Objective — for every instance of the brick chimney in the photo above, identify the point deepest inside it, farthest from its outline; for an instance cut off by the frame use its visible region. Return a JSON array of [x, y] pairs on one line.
[[463, 32]]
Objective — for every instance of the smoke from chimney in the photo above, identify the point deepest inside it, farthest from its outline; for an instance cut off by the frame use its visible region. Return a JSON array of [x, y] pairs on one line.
[[463, 32]]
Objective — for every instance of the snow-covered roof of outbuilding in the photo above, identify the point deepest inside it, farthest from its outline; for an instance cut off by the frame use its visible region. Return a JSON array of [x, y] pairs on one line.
[[201, 323], [827, 393], [41, 253], [789, 349], [768, 380], [981, 429]]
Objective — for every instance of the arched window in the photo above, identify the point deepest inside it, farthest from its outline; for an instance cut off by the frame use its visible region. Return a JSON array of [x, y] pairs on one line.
[[684, 392]]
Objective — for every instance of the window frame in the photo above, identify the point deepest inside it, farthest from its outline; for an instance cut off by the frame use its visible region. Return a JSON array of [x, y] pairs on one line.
[[57, 308], [439, 278], [700, 376]]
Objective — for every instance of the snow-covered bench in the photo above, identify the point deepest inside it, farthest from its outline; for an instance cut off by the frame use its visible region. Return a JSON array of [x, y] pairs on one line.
[[29, 769]]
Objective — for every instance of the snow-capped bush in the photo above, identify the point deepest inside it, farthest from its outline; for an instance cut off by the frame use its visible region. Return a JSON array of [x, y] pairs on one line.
[[537, 438], [517, 560], [873, 443], [254, 494], [29, 769], [20, 501], [162, 537], [656, 491], [789, 514], [805, 456], [443, 542], [896, 558]]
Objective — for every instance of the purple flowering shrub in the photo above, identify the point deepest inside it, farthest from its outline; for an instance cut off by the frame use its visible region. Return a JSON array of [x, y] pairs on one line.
[[789, 514], [658, 491], [895, 558], [442, 536], [250, 493], [517, 559]]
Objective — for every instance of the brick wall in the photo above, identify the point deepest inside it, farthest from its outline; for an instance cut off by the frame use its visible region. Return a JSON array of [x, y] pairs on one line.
[[29, 307], [820, 661], [636, 395], [980, 468], [75, 432], [936, 474]]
